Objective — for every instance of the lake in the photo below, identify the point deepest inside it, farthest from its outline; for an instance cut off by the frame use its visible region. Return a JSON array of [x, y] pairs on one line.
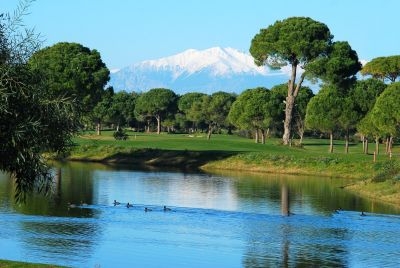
[[212, 220]]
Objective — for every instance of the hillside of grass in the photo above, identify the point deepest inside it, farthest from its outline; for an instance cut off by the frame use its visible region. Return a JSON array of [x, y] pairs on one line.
[[377, 180]]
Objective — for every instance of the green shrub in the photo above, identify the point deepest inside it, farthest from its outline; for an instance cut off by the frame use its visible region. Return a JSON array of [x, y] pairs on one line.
[[386, 170], [120, 134]]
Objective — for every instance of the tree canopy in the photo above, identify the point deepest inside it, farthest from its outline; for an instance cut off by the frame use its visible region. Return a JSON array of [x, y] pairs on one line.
[[338, 68], [157, 103], [216, 109], [383, 68], [72, 70], [386, 111], [250, 110], [323, 111]]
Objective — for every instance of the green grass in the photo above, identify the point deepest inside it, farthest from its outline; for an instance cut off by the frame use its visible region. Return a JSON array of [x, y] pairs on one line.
[[17, 264], [227, 151], [237, 153]]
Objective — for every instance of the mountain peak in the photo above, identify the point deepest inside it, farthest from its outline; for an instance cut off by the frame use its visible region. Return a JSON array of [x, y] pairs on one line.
[[219, 61], [206, 70]]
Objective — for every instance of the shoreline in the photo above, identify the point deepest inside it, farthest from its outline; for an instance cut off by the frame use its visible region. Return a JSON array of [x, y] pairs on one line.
[[202, 162]]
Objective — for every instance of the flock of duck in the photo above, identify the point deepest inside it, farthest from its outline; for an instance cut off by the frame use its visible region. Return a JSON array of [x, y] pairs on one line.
[[340, 209], [165, 208], [116, 203], [146, 209]]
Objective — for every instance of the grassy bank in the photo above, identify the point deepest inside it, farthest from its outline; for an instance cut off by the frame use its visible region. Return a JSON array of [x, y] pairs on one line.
[[17, 264], [236, 153]]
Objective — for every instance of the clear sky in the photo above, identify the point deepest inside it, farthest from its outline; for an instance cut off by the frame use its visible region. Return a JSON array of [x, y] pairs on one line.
[[129, 31]]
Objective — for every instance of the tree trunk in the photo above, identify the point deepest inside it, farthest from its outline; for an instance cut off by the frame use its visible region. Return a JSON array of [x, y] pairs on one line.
[[387, 145], [301, 138], [98, 128], [210, 129], [366, 145], [287, 125], [377, 145], [293, 90], [158, 118], [262, 136], [346, 149], [256, 135], [363, 143], [331, 142]]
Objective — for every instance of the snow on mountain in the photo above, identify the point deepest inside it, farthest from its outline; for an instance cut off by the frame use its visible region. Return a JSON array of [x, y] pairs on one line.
[[207, 71]]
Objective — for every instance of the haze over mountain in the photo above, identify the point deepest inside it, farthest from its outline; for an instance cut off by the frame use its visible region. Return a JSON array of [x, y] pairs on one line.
[[206, 71]]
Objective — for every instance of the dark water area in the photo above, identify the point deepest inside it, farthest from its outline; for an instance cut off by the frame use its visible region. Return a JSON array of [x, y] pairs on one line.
[[212, 220]]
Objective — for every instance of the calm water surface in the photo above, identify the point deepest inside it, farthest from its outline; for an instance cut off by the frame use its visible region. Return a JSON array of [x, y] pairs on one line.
[[216, 220]]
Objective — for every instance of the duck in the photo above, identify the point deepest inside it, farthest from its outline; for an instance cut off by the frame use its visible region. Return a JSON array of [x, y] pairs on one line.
[[71, 205], [129, 205], [166, 209], [116, 202], [338, 210], [147, 209], [363, 214]]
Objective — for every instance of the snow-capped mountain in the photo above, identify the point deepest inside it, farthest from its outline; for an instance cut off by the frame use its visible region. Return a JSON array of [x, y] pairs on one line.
[[207, 71]]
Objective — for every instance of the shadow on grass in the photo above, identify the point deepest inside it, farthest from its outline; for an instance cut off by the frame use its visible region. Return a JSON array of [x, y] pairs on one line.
[[177, 159]]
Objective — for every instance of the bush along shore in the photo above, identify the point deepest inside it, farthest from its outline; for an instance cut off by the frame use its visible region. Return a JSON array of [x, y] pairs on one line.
[[377, 179]]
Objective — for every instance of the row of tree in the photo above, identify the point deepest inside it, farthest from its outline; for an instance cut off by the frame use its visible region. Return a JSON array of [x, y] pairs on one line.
[[359, 109]]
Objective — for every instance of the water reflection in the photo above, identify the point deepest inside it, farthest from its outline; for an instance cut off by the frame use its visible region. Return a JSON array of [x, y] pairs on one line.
[[225, 219]]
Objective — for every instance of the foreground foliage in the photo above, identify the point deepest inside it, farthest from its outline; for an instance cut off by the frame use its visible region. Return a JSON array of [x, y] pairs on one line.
[[31, 121]]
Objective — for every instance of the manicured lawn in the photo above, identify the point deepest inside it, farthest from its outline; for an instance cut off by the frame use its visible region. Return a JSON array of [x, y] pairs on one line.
[[312, 155]]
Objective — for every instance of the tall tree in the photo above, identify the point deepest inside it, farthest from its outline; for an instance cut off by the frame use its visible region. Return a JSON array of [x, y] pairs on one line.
[[296, 41], [157, 103], [31, 122], [100, 111], [386, 112], [72, 70], [323, 111], [348, 118], [383, 68], [300, 109], [122, 108], [367, 127], [187, 104], [216, 110], [250, 111]]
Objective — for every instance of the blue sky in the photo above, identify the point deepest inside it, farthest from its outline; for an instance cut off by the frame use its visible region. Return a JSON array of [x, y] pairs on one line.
[[129, 31]]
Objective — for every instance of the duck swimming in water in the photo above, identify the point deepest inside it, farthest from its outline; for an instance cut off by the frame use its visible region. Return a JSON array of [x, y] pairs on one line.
[[166, 209], [129, 205], [147, 209], [71, 205], [116, 202]]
